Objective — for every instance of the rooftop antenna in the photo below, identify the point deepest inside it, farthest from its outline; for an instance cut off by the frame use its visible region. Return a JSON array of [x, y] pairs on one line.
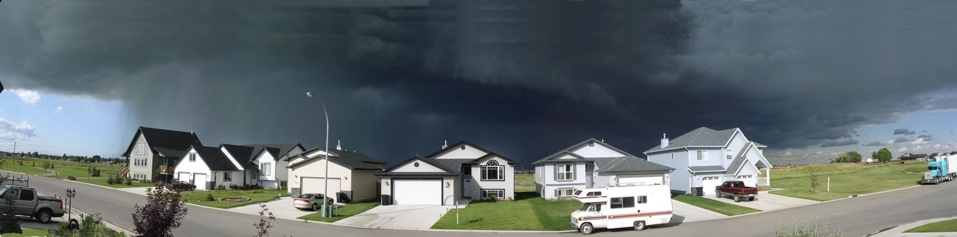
[[444, 145], [338, 145]]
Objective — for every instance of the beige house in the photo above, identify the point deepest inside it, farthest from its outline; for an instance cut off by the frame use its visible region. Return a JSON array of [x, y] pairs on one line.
[[351, 174], [458, 171]]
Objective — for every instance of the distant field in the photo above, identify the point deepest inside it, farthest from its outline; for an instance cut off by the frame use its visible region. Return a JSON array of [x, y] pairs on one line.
[[846, 179], [524, 183]]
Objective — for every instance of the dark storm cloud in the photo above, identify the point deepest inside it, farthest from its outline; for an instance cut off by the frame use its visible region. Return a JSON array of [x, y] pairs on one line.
[[523, 78], [876, 144], [839, 143], [903, 131]]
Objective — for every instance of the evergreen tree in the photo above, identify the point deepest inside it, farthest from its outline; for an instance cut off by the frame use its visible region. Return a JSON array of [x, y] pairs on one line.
[[9, 222]]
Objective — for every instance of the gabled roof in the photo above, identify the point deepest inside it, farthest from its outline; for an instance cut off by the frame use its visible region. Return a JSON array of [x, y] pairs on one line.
[[568, 150], [349, 159], [278, 151], [430, 161], [171, 153], [461, 143], [738, 160], [214, 158], [627, 164], [241, 154], [169, 139], [700, 137]]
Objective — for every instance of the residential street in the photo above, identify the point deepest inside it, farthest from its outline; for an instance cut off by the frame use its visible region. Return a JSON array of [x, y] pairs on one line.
[[856, 216]]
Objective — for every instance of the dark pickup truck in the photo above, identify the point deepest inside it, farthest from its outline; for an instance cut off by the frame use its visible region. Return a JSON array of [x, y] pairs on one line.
[[736, 189]]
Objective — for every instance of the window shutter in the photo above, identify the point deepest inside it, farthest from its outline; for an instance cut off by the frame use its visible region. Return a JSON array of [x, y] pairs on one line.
[[574, 171], [555, 176]]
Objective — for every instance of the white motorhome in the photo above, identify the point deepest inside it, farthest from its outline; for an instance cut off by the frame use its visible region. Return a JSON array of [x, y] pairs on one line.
[[621, 206]]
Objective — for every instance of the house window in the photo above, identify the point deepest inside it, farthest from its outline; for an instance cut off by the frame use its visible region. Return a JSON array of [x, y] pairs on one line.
[[622, 202], [564, 192], [487, 194], [466, 169], [702, 155], [642, 199], [140, 149], [493, 171], [266, 168], [729, 154], [672, 155], [192, 156], [228, 176], [566, 172]]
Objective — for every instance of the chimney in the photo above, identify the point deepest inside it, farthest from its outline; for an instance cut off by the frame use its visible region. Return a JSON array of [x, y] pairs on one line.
[[338, 145], [446, 144], [664, 140]]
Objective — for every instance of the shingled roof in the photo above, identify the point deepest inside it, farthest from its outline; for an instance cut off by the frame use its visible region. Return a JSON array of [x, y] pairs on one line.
[[214, 158], [700, 137], [627, 164], [168, 139], [348, 159]]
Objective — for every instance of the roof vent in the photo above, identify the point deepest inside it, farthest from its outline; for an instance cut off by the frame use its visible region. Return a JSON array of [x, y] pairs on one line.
[[446, 144], [338, 145], [664, 140]]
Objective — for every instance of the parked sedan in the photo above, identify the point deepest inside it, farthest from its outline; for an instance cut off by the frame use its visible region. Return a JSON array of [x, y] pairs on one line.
[[310, 201], [181, 186]]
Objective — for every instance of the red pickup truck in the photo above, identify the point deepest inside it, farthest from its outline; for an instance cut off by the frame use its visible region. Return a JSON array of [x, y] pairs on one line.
[[736, 189]]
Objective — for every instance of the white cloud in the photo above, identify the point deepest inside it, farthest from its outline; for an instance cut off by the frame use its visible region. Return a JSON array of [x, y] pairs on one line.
[[902, 149], [918, 141], [30, 97], [937, 146], [59, 110], [12, 131]]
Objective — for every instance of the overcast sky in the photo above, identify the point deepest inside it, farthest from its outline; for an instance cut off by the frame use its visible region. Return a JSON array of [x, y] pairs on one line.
[[520, 78]]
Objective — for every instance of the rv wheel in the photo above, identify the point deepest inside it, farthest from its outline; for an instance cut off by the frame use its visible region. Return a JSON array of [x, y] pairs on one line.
[[639, 225], [586, 229]]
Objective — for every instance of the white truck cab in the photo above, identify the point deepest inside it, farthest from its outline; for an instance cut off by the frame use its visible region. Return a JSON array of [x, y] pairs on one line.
[[622, 206]]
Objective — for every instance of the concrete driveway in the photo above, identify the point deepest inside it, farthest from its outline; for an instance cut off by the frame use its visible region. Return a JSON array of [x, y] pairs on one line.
[[684, 212], [767, 202], [281, 208], [406, 217]]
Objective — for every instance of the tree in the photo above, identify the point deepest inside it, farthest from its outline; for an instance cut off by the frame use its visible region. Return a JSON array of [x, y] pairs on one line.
[[164, 210], [96, 159], [9, 222], [884, 155], [265, 222], [849, 157]]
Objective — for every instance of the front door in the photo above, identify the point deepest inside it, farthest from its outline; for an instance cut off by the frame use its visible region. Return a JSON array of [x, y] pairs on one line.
[[467, 187]]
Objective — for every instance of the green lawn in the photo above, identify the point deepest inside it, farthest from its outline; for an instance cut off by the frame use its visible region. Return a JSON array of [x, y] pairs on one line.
[[528, 212], [102, 182], [524, 183], [29, 232], [940, 226], [714, 205], [255, 196], [343, 212], [25, 169], [846, 179]]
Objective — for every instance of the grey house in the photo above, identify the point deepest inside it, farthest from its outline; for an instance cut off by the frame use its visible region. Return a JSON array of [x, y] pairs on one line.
[[593, 163]]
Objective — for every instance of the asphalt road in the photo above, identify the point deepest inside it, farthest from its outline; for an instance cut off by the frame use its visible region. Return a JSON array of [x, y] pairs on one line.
[[855, 216]]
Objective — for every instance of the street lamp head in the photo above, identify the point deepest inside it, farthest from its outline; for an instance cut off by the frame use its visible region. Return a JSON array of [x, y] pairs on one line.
[[309, 94]]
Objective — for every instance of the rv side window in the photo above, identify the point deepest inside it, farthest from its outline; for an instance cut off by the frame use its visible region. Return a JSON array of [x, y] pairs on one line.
[[594, 194], [642, 199], [622, 202]]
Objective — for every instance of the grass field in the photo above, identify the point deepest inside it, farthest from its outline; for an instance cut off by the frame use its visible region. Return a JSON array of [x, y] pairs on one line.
[[342, 212], [715, 206], [940, 226], [527, 212], [29, 232], [524, 183], [846, 179], [61, 169], [102, 182], [255, 196]]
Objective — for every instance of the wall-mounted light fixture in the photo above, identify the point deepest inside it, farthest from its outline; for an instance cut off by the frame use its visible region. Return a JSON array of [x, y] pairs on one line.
[[386, 183], [446, 184]]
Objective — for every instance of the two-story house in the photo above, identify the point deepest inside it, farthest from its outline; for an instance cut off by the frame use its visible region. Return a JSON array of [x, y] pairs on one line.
[[593, 163], [459, 171], [705, 158], [351, 175], [153, 152]]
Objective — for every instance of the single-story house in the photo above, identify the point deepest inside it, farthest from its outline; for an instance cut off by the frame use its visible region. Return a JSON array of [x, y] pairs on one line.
[[351, 175], [207, 168]]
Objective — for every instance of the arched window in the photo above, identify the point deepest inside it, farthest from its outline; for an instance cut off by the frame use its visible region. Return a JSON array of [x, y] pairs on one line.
[[493, 171]]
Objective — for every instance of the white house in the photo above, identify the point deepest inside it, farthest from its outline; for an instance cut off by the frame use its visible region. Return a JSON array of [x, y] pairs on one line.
[[263, 165], [153, 149], [593, 163], [207, 168], [351, 174], [705, 158], [462, 170]]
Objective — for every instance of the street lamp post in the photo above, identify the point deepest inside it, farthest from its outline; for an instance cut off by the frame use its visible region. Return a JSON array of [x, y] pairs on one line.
[[325, 193]]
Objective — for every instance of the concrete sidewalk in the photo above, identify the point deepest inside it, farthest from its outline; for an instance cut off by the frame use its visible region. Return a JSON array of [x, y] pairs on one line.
[[899, 230]]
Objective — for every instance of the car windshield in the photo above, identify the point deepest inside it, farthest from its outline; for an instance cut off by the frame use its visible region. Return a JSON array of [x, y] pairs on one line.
[[931, 167], [305, 196]]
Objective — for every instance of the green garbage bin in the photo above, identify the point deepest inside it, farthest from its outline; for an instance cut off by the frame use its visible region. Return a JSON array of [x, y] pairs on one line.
[[330, 211]]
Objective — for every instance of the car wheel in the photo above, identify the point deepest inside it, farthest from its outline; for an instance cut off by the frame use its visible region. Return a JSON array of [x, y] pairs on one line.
[[737, 198], [717, 194], [640, 225], [44, 216], [315, 207], [751, 199], [586, 229]]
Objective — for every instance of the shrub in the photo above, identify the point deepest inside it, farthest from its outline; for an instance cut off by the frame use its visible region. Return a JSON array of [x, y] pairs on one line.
[[129, 182], [164, 210], [92, 226], [71, 177], [233, 186], [209, 197], [109, 180], [805, 229]]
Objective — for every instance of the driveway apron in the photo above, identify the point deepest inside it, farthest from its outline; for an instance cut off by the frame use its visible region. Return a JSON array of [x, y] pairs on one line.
[[409, 217]]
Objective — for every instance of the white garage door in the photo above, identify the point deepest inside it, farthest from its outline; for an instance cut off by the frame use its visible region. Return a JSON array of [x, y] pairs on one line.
[[749, 180], [200, 181], [417, 191], [183, 176], [708, 183], [647, 179], [318, 185]]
